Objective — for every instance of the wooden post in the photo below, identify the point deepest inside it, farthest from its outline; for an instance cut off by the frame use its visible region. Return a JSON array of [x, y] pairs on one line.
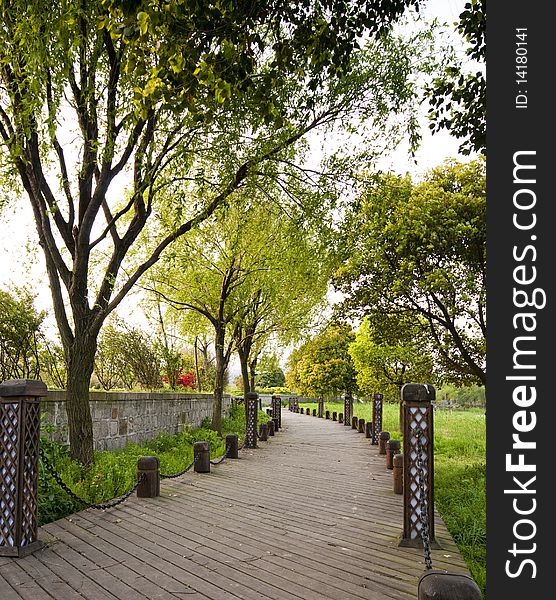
[[149, 468], [201, 457], [441, 585], [334, 415], [19, 465], [377, 417], [232, 444], [341, 418], [348, 408], [354, 423], [321, 408], [418, 433], [270, 426], [369, 429], [327, 415], [314, 412], [398, 473], [263, 432], [361, 428], [251, 403], [392, 448], [277, 412], [383, 437]]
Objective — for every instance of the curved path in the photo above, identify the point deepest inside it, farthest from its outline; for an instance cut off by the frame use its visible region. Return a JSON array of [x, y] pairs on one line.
[[309, 515]]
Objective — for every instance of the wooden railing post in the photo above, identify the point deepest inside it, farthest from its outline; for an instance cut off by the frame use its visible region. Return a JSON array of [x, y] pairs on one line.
[[19, 465], [232, 445], [348, 408], [201, 457], [251, 416], [418, 467], [377, 418]]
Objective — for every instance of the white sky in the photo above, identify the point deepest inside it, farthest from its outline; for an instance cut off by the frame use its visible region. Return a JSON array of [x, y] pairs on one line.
[[21, 261]]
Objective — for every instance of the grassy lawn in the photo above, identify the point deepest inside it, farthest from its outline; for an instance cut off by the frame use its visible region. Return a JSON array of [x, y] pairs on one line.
[[459, 475]]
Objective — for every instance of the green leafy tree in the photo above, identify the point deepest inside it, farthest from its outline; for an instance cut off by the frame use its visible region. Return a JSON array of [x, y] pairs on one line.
[[142, 89], [418, 251], [323, 365], [19, 335], [458, 97], [388, 352], [269, 372]]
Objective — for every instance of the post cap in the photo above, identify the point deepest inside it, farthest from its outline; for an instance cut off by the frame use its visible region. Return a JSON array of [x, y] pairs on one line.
[[148, 463], [252, 395], [201, 446], [418, 392], [23, 387], [384, 435], [393, 444], [441, 584]]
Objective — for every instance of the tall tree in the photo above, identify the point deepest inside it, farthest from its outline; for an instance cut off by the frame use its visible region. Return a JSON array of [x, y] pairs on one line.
[[418, 251], [93, 93]]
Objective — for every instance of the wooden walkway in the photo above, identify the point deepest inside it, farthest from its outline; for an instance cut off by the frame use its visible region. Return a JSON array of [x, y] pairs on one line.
[[309, 515]]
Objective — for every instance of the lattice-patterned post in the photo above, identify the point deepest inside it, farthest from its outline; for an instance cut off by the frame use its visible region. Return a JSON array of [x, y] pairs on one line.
[[377, 418], [321, 407], [418, 463], [19, 465], [277, 412], [348, 408], [251, 416]]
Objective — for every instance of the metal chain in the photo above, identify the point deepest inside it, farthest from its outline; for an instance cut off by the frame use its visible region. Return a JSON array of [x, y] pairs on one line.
[[424, 516], [175, 475], [102, 506], [222, 458]]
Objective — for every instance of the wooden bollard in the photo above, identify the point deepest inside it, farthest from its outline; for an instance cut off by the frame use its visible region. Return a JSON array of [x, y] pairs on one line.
[[327, 415], [314, 412], [232, 445], [361, 426], [369, 429], [149, 468], [263, 432], [334, 416], [308, 411], [441, 585], [201, 457], [354, 422], [269, 412], [270, 425], [383, 437], [392, 448], [398, 473], [341, 418]]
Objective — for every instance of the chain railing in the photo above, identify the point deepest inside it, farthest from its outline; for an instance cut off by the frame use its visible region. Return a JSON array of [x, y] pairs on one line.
[[222, 458], [423, 503], [100, 506], [180, 473]]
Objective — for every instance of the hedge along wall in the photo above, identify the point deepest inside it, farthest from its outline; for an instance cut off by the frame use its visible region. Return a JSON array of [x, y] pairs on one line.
[[121, 417]]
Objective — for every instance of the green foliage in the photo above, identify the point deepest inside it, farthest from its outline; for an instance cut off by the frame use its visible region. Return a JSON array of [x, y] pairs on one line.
[[269, 372], [19, 332], [389, 353], [458, 97], [323, 366], [418, 251]]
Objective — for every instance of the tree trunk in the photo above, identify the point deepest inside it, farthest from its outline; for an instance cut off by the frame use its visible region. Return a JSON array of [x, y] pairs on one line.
[[253, 371], [81, 356], [219, 378], [199, 386]]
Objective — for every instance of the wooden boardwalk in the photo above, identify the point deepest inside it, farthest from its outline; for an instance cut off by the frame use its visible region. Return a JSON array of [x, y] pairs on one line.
[[309, 515]]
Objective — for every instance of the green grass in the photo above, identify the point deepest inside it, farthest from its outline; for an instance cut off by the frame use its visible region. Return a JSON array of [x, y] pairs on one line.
[[114, 472], [459, 475]]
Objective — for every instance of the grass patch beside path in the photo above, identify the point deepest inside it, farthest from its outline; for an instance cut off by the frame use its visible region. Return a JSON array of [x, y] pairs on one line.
[[459, 475], [114, 472]]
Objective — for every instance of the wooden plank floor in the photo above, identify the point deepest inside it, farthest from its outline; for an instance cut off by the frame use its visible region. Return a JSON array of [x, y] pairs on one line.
[[309, 515]]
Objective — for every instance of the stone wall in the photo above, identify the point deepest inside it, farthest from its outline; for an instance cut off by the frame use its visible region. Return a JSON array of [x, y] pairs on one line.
[[122, 417]]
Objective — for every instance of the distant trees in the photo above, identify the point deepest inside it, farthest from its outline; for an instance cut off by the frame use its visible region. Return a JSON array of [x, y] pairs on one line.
[[20, 326], [323, 366]]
